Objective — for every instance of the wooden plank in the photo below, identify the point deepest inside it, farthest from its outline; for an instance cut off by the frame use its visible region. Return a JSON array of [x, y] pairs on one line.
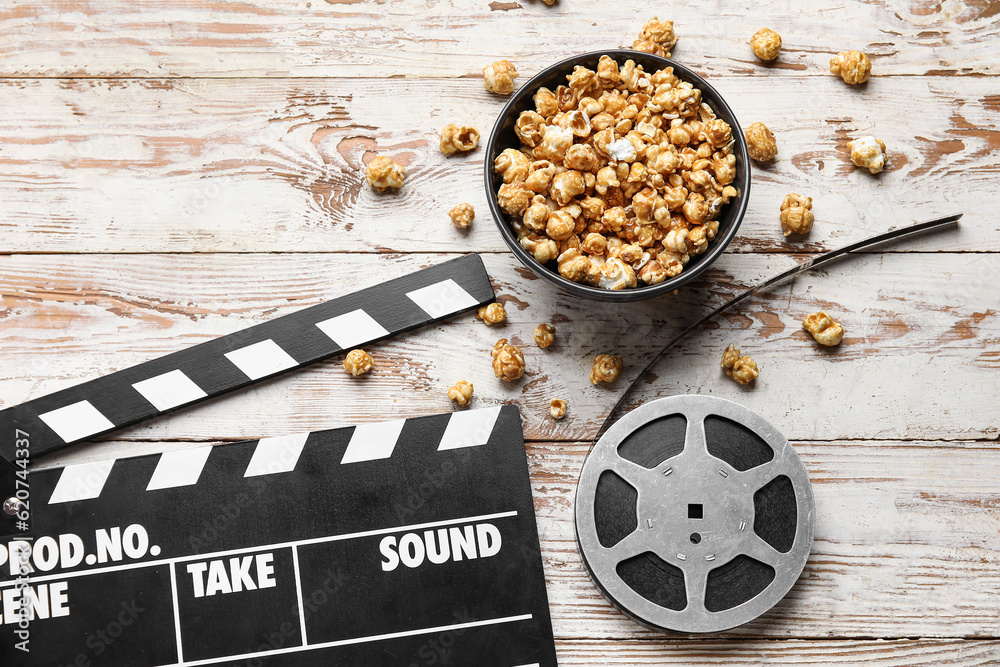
[[919, 359], [907, 544], [359, 38], [277, 165], [897, 653]]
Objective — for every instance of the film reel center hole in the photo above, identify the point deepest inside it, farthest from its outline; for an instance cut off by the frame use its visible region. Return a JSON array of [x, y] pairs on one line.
[[696, 511], [695, 538]]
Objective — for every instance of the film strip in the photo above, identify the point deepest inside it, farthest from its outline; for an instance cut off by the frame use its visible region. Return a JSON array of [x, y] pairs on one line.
[[254, 354], [694, 514], [410, 542]]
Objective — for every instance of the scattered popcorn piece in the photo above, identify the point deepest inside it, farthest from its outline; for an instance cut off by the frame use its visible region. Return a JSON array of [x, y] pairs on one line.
[[462, 215], [657, 37], [766, 44], [461, 393], [607, 368], [557, 408], [824, 328], [796, 214], [508, 362], [499, 77], [742, 369], [456, 138], [760, 143], [493, 313], [853, 66], [868, 152], [545, 335], [383, 173], [358, 362]]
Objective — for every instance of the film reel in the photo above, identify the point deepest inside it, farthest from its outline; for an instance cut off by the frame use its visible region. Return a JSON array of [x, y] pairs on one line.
[[694, 514]]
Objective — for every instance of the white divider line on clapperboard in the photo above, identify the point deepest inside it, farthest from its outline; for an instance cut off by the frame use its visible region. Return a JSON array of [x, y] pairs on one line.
[[298, 593], [177, 613], [364, 640]]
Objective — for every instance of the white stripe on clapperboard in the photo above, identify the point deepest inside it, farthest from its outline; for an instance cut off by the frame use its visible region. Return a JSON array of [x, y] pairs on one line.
[[369, 442], [173, 389]]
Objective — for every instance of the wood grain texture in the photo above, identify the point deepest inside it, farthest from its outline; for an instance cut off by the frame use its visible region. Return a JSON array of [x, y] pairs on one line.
[[372, 38], [907, 544], [278, 165], [899, 653], [919, 360], [216, 151]]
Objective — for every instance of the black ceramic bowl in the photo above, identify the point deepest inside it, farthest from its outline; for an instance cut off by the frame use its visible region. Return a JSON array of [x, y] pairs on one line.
[[503, 137]]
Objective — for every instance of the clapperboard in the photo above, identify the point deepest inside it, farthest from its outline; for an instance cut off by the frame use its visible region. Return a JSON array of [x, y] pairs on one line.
[[406, 543]]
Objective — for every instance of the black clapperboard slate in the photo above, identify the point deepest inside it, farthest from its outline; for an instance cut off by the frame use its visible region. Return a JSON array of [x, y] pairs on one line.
[[406, 543], [299, 550]]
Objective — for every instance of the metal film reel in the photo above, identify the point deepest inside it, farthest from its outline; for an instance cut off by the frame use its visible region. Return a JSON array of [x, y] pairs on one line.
[[694, 514]]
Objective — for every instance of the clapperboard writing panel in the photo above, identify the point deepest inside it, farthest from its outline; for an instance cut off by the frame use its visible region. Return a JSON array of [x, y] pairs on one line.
[[259, 352], [406, 543]]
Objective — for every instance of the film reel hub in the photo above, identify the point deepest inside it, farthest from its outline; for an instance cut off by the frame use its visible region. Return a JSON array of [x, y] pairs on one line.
[[694, 514]]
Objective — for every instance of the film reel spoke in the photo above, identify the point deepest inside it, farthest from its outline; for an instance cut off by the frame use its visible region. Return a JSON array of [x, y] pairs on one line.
[[636, 543], [758, 477], [696, 582], [695, 442], [631, 472], [756, 548]]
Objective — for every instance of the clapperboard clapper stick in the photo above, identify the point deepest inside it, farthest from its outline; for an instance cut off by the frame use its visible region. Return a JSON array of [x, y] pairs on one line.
[[228, 363], [410, 542]]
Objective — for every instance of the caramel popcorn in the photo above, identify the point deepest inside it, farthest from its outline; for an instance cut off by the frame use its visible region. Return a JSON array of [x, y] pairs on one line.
[[616, 274], [766, 44], [557, 408], [796, 214], [657, 37], [512, 164], [824, 328], [868, 152], [607, 368], [461, 393], [545, 335], [462, 215], [358, 362], [514, 197], [491, 314], [619, 164], [742, 369], [853, 66], [508, 362], [760, 143], [499, 77], [456, 138], [383, 173]]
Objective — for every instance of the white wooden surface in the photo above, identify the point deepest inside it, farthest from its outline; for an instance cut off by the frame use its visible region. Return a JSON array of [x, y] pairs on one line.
[[172, 171]]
